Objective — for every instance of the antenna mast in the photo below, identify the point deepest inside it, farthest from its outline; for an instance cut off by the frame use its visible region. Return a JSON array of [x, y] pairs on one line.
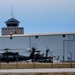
[[12, 12]]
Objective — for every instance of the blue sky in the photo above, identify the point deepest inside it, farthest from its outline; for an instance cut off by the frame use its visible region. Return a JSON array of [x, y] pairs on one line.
[[40, 16]]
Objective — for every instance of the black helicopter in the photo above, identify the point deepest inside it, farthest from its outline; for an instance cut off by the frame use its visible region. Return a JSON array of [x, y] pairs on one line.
[[41, 58], [15, 56]]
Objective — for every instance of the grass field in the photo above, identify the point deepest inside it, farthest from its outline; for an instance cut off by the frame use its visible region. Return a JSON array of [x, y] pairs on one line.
[[35, 65]]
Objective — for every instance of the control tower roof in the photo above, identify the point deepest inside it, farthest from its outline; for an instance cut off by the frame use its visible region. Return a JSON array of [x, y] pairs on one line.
[[12, 20]]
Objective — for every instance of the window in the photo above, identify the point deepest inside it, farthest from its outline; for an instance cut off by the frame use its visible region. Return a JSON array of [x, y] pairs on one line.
[[14, 24], [3, 28], [15, 32], [11, 37], [63, 35], [8, 25], [36, 37]]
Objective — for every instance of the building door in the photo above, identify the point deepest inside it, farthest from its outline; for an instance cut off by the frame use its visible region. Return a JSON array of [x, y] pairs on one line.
[[69, 49]]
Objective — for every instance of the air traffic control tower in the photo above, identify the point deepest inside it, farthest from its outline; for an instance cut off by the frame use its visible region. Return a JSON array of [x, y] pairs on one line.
[[12, 27]]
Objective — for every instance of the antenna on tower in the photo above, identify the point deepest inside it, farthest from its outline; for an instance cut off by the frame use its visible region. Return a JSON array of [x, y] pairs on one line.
[[12, 12], [14, 15]]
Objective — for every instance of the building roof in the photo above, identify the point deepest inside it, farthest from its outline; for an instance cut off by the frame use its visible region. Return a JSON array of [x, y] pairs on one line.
[[12, 20], [47, 34]]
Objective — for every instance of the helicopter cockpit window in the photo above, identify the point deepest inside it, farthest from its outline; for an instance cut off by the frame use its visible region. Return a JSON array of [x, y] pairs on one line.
[[10, 56]]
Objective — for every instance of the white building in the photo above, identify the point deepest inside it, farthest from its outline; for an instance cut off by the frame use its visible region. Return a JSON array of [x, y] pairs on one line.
[[60, 44]]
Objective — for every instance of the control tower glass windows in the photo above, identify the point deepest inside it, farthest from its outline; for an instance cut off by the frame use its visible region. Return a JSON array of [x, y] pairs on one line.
[[8, 25], [12, 25], [12, 22]]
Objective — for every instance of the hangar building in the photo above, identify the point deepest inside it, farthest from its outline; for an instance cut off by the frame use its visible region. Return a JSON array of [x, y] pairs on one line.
[[59, 44]]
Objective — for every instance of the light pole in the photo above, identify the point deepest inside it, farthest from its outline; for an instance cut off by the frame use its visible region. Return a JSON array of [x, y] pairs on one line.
[[70, 58], [17, 61], [63, 50], [52, 58], [34, 57], [0, 62], [34, 63]]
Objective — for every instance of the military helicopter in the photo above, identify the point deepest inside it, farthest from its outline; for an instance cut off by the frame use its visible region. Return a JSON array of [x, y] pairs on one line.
[[8, 56], [41, 58]]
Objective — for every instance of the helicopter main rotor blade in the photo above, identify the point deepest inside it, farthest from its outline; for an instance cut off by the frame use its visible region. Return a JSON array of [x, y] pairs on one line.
[[6, 49]]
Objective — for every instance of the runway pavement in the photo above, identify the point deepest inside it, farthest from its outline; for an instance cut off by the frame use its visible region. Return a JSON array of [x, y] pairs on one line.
[[37, 70]]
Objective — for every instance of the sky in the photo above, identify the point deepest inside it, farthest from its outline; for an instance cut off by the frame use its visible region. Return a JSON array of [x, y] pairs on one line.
[[40, 16]]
